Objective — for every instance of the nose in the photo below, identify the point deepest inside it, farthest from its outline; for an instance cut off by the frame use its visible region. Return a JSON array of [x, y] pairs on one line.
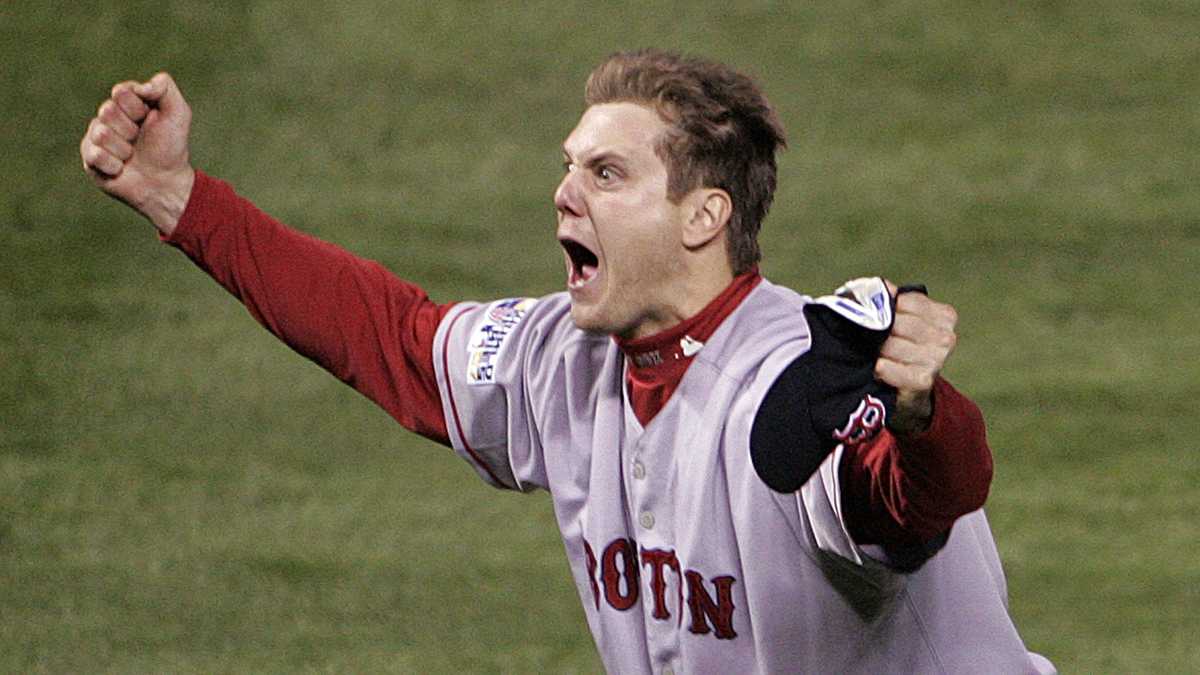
[[567, 200]]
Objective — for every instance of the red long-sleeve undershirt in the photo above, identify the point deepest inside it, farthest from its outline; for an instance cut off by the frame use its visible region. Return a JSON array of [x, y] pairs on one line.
[[375, 332], [351, 316]]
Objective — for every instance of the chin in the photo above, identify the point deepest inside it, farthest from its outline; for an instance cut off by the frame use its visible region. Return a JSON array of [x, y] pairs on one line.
[[584, 320], [589, 320]]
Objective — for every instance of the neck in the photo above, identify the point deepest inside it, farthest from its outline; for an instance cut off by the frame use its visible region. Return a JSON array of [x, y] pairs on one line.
[[684, 299], [699, 326], [657, 362]]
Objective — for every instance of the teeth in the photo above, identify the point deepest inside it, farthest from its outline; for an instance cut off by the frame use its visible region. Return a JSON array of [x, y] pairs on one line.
[[581, 276], [582, 264]]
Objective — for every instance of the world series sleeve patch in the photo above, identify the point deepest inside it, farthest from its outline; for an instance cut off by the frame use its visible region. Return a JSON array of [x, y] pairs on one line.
[[486, 346]]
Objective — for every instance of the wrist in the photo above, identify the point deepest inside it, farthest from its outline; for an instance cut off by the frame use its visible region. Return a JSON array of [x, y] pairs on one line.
[[913, 414], [165, 205]]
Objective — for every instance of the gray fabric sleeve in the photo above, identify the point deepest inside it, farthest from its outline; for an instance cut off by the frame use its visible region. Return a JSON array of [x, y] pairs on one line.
[[485, 357]]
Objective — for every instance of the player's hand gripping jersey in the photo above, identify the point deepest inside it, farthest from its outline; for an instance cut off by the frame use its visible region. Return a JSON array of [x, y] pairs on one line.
[[685, 558]]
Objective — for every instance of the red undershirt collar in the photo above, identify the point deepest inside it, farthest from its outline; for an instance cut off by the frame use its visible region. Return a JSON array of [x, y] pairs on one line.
[[657, 362]]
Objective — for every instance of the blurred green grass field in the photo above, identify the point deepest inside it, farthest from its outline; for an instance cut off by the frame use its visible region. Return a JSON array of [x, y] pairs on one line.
[[180, 493]]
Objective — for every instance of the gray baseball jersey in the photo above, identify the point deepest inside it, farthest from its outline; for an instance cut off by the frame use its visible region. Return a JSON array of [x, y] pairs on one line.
[[685, 561]]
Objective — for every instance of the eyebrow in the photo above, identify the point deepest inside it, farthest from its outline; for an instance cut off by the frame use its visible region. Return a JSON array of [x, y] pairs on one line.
[[599, 158]]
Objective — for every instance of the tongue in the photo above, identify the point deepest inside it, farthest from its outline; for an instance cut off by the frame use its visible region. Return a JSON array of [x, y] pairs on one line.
[[587, 272]]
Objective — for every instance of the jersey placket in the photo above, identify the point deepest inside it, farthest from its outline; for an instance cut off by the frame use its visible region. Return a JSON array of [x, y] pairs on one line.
[[647, 471]]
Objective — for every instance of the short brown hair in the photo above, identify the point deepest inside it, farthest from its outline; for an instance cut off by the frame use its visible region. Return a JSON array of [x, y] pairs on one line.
[[724, 133]]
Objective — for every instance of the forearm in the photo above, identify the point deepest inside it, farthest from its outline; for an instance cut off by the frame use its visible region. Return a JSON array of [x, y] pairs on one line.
[[908, 491], [351, 316]]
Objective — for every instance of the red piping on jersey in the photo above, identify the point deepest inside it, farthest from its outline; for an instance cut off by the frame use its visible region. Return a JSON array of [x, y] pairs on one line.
[[454, 407]]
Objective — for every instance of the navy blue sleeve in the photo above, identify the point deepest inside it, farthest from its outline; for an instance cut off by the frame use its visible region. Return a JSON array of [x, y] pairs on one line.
[[827, 396]]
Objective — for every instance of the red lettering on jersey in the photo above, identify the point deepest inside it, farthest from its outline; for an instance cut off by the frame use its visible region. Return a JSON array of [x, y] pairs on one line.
[[707, 615], [657, 559], [591, 569], [704, 610], [612, 577]]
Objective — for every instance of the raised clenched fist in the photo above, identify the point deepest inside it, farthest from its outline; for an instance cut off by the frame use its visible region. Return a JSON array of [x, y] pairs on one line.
[[922, 339], [136, 149]]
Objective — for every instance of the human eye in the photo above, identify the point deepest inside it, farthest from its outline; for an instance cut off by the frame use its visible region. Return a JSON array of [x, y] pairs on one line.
[[605, 173]]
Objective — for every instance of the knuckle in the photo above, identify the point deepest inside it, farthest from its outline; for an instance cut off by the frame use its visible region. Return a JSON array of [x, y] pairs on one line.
[[128, 102], [950, 314], [125, 85], [100, 160], [108, 111], [942, 338], [881, 367]]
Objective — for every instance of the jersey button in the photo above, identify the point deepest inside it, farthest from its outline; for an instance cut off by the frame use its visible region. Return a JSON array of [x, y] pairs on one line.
[[639, 470], [646, 519]]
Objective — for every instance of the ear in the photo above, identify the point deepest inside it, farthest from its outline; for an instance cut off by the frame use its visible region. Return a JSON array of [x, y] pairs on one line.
[[711, 209]]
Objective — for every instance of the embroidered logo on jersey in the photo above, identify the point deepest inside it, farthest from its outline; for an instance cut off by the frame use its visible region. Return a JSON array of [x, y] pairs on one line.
[[486, 342], [863, 423], [690, 345]]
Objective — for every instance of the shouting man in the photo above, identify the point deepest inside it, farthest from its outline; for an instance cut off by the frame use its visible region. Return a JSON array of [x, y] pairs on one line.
[[746, 479]]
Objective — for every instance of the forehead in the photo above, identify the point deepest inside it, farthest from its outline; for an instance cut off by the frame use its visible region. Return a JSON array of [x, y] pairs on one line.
[[628, 129]]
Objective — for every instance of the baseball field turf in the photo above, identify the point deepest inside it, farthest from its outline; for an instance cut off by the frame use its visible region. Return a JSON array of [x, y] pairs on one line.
[[180, 493]]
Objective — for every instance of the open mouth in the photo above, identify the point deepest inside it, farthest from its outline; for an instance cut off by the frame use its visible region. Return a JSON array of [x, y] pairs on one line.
[[584, 264]]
